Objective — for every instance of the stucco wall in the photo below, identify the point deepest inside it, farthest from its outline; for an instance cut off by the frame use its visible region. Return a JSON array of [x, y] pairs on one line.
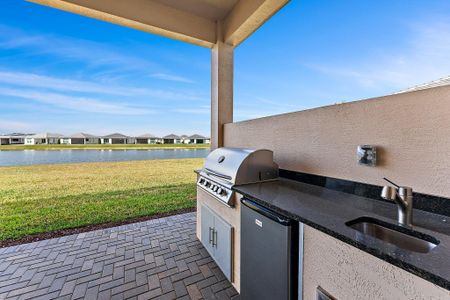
[[412, 131]]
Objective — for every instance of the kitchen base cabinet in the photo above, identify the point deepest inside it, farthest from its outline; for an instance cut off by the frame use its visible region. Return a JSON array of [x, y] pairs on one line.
[[217, 237], [345, 272], [231, 216]]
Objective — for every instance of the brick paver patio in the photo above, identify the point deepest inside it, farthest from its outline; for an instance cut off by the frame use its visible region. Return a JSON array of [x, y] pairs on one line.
[[156, 259]]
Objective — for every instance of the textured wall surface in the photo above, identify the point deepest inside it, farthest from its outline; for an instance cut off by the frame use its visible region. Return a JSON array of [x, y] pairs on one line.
[[346, 272], [412, 131]]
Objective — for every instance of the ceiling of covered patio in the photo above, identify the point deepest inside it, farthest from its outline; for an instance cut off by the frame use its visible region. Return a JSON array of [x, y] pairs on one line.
[[200, 22]]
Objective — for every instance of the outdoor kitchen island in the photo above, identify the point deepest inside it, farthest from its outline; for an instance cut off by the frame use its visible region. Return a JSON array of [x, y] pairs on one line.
[[218, 206], [346, 265]]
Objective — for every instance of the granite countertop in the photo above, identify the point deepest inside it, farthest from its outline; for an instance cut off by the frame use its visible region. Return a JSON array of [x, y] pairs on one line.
[[328, 211]]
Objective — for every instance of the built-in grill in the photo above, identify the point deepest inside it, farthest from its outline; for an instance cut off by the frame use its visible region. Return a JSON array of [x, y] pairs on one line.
[[226, 167]]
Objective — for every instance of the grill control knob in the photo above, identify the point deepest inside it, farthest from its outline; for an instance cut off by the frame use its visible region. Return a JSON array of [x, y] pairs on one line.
[[219, 191]]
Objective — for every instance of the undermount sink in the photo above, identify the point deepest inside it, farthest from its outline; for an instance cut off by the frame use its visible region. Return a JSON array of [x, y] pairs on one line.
[[398, 236]]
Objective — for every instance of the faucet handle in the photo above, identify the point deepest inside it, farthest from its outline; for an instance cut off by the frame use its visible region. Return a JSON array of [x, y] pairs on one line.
[[391, 182], [389, 193], [405, 191]]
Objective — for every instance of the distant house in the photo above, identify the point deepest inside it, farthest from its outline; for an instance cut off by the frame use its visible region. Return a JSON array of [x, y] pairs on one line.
[[184, 139], [117, 138], [172, 139], [4, 140], [13, 139], [43, 138], [80, 138], [18, 138], [147, 139], [199, 139]]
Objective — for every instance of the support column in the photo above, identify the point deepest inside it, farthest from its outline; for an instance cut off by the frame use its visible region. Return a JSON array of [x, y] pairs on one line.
[[221, 89]]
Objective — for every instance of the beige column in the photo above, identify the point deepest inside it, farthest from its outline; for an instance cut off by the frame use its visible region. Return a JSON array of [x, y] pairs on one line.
[[221, 89]]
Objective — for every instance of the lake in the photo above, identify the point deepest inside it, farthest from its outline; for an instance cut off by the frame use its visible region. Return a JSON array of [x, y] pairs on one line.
[[35, 157]]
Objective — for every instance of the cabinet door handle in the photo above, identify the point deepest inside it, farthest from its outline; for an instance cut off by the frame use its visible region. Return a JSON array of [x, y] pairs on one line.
[[211, 235], [214, 238]]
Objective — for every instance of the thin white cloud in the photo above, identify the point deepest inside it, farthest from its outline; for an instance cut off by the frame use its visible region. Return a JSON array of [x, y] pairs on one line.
[[68, 85], [249, 114], [80, 104], [258, 107], [426, 58], [194, 111], [241, 114], [169, 77], [8, 126], [114, 63], [284, 105], [89, 52], [39, 81]]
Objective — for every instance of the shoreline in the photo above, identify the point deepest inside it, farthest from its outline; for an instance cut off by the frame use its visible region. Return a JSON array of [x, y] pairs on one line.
[[102, 147], [116, 160], [97, 162]]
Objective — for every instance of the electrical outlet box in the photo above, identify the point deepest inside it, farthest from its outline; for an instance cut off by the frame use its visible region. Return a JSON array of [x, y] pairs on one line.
[[367, 155]]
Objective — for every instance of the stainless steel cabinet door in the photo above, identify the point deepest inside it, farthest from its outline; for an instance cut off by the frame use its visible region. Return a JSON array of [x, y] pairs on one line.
[[265, 257], [223, 236], [207, 227], [217, 238]]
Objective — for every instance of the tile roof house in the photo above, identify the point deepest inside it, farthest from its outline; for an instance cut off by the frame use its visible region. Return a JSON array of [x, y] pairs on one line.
[[148, 138], [198, 139], [18, 137], [117, 138], [172, 139], [80, 138], [13, 138], [43, 138], [184, 139], [4, 140]]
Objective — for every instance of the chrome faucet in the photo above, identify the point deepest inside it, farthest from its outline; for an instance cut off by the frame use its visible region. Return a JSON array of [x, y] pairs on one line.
[[403, 196]]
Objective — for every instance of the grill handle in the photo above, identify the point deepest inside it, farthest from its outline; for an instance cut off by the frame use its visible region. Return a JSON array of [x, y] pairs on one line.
[[214, 173]]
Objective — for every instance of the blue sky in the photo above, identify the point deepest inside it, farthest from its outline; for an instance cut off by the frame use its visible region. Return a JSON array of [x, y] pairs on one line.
[[65, 73]]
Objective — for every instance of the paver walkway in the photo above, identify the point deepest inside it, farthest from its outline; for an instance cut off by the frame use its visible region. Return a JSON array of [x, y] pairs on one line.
[[156, 259]]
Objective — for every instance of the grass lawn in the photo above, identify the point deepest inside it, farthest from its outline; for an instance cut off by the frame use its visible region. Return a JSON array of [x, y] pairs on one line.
[[100, 146], [44, 198]]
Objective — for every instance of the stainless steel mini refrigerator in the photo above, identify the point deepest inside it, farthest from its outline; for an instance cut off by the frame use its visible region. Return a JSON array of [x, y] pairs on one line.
[[269, 254]]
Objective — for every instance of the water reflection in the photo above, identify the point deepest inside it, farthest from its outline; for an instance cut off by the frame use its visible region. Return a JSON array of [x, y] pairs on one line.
[[34, 157]]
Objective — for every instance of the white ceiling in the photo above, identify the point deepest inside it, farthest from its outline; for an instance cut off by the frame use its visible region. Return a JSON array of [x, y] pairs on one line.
[[209, 9]]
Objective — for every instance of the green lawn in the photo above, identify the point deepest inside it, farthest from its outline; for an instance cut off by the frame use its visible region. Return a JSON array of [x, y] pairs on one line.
[[44, 198], [100, 146]]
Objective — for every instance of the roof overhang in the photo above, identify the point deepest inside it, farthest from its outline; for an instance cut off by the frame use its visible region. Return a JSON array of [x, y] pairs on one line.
[[199, 22]]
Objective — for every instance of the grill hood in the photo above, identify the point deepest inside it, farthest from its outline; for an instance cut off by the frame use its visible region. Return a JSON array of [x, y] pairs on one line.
[[234, 166]]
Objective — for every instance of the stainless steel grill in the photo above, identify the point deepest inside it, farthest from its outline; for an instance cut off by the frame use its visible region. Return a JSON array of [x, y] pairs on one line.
[[226, 167]]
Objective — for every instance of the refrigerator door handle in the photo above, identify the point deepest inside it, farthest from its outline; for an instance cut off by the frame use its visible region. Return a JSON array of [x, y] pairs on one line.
[[266, 212]]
